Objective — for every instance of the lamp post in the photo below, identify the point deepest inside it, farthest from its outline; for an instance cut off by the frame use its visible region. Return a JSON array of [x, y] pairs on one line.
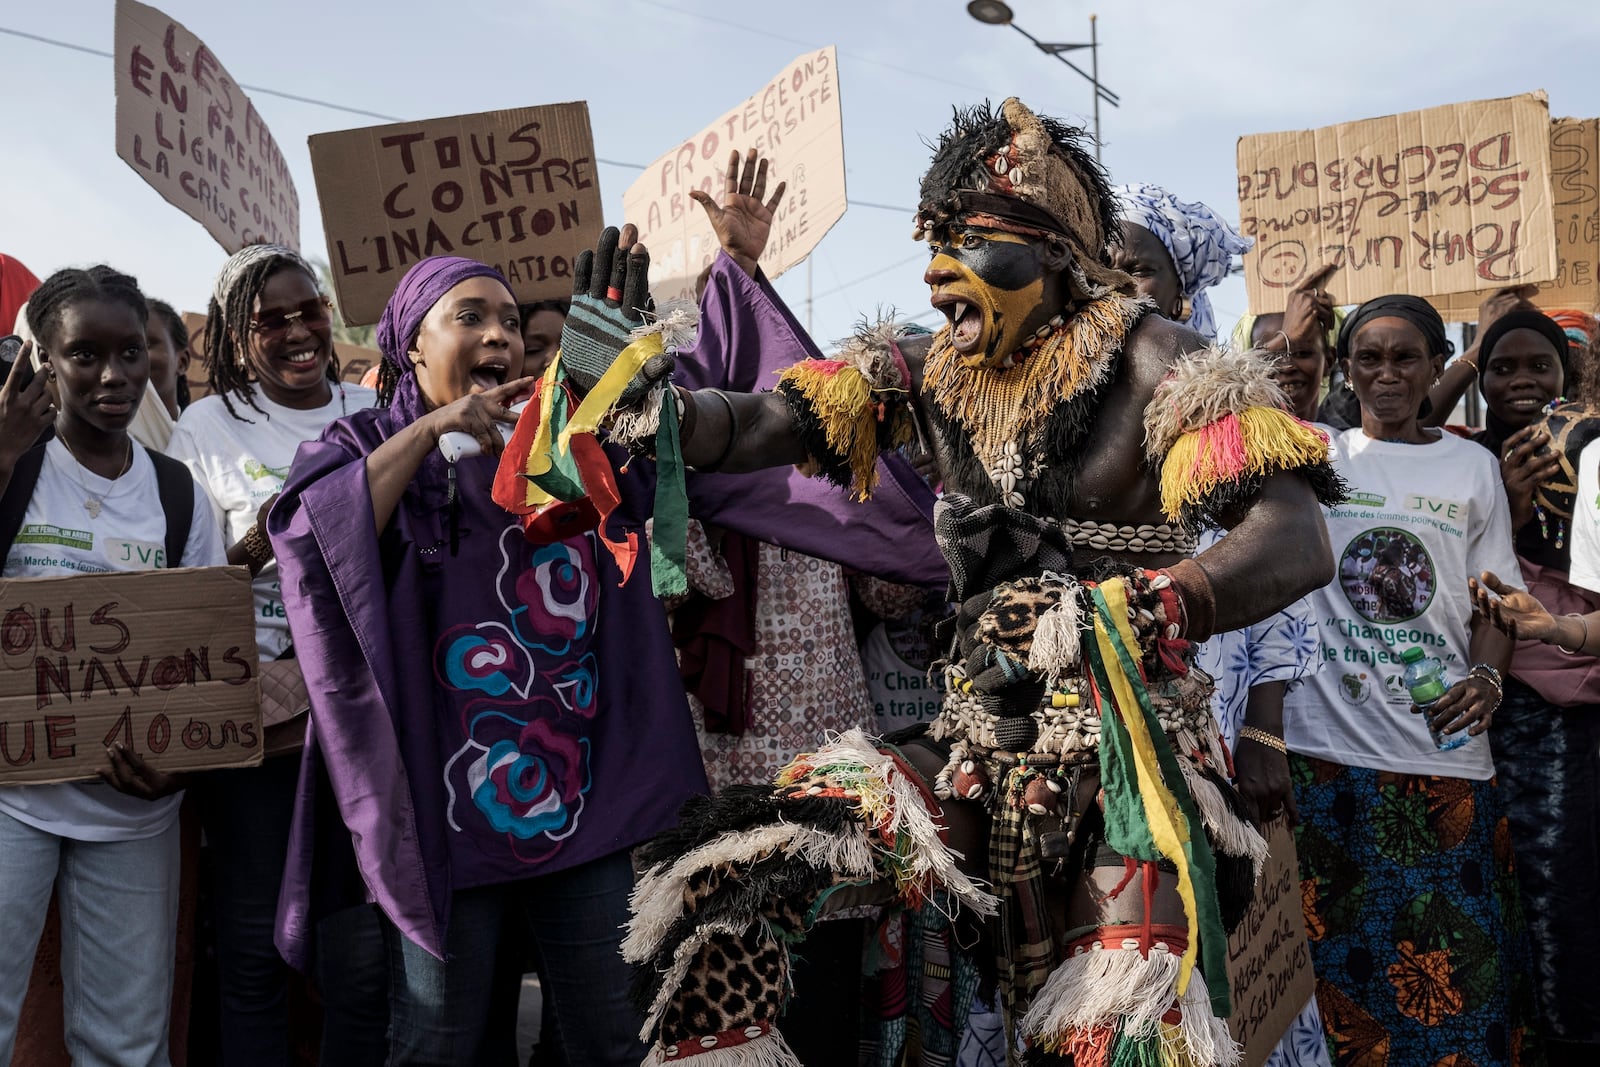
[[997, 13]]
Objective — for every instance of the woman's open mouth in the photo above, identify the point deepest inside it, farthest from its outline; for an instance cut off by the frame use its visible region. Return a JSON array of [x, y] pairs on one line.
[[489, 374]]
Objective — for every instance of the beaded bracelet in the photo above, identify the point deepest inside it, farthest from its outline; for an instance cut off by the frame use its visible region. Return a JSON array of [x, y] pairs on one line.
[[1262, 737], [256, 546]]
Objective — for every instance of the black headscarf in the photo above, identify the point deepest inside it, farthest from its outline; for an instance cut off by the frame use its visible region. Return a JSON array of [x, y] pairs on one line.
[[1413, 309], [1526, 319]]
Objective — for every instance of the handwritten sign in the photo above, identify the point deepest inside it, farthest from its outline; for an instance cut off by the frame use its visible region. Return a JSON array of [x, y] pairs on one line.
[[1575, 183], [185, 126], [514, 189], [163, 661], [1269, 962], [1446, 200], [795, 121]]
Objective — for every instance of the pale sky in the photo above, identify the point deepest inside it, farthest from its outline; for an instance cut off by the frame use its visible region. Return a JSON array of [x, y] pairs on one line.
[[1193, 77]]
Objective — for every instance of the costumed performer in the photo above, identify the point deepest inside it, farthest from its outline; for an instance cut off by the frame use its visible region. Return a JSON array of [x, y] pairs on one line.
[[1080, 451]]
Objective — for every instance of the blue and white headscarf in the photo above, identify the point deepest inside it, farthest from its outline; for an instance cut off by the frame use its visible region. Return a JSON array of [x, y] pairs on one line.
[[1201, 244]]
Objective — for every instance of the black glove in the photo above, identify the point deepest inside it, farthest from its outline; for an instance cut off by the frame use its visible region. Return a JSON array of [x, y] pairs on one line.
[[610, 293]]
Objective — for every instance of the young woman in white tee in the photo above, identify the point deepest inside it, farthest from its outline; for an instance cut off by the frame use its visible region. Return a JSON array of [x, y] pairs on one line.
[[274, 385], [109, 850]]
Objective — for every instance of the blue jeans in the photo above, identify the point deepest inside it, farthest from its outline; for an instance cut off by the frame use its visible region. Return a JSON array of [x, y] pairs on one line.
[[440, 1010], [119, 922]]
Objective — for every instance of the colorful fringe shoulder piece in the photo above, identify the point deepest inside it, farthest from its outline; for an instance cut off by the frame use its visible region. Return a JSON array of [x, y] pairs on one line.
[[743, 877], [1217, 426], [849, 408]]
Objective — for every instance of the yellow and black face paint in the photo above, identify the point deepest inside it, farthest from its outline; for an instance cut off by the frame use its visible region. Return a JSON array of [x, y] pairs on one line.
[[997, 281]]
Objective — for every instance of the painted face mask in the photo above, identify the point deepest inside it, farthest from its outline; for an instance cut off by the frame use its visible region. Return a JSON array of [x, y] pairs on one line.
[[987, 283]]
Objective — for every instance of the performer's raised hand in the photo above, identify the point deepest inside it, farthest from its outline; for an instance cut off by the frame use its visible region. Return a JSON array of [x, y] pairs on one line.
[[610, 294], [743, 221]]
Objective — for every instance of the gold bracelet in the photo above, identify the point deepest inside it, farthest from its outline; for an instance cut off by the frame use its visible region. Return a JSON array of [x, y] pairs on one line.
[[1470, 363], [256, 546], [1261, 737]]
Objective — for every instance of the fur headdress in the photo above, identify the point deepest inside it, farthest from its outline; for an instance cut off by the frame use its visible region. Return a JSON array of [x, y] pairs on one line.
[[1019, 172]]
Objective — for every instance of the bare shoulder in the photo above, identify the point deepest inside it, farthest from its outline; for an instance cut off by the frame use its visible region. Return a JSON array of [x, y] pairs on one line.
[[1153, 346]]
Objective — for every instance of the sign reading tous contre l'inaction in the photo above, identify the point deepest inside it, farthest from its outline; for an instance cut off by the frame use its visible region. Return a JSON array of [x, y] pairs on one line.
[[185, 126], [793, 120], [1446, 200], [1269, 961], [1575, 183], [515, 189], [163, 661]]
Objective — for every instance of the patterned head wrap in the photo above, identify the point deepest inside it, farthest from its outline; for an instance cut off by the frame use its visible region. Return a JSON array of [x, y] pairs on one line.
[[1201, 244], [1021, 173], [247, 257], [415, 296], [1582, 329]]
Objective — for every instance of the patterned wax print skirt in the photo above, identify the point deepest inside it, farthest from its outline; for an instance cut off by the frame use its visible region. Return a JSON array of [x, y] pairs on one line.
[[1416, 932]]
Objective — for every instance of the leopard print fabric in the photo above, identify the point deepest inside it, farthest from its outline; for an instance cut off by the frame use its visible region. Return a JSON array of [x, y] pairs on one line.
[[1013, 613], [733, 982]]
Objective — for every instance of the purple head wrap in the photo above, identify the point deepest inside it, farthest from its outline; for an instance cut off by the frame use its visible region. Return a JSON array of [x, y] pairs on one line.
[[415, 296]]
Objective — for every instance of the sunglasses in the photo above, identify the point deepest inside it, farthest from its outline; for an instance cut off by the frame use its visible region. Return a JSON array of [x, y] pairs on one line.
[[273, 325]]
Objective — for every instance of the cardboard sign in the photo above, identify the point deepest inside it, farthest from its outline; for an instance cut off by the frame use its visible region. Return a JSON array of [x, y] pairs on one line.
[[515, 189], [1575, 183], [1269, 962], [1446, 200], [163, 661], [185, 126], [794, 121]]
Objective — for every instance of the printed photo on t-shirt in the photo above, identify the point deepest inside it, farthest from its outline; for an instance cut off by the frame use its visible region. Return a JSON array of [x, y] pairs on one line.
[[1387, 575]]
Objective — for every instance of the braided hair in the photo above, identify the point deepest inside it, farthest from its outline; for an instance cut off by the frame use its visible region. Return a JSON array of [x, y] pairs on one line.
[[65, 288], [228, 318]]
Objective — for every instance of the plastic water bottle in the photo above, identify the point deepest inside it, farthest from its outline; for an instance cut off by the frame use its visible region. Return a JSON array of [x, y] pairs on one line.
[[1424, 680]]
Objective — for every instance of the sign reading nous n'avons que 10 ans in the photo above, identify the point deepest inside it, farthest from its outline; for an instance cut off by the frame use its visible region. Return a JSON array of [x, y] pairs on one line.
[[163, 662]]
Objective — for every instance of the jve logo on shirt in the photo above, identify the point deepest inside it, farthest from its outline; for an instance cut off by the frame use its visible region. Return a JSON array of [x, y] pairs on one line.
[[136, 555]]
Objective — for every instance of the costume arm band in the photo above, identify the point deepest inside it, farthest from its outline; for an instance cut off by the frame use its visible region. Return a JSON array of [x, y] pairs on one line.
[[1217, 427], [1198, 598], [848, 409]]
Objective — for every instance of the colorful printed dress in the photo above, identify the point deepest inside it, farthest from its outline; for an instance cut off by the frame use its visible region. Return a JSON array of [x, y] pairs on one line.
[[1410, 895]]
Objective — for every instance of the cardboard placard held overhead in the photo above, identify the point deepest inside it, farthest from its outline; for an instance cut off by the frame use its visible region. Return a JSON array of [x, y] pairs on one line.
[[1432, 202], [1575, 184], [515, 189], [1269, 961], [185, 126], [794, 120], [163, 661]]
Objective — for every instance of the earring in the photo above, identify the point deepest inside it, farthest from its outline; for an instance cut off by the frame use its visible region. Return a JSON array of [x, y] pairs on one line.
[[1185, 309]]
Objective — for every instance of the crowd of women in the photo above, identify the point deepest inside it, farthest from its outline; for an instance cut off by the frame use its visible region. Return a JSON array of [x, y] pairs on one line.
[[420, 847]]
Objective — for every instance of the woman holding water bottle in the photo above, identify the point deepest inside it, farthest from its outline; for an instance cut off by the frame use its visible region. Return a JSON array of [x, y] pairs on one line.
[[1410, 896]]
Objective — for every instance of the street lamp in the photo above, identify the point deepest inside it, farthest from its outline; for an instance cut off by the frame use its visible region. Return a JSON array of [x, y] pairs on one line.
[[996, 13]]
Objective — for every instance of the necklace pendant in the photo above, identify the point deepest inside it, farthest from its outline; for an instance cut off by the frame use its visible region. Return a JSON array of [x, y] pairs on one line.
[[92, 506]]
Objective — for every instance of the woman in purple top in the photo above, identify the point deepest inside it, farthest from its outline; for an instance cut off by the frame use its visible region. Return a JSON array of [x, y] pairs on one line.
[[497, 722]]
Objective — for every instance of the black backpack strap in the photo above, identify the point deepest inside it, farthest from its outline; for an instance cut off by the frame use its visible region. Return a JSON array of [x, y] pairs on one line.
[[14, 505], [175, 485]]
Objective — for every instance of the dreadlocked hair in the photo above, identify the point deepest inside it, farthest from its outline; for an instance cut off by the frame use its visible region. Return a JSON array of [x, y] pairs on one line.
[[976, 133], [228, 330], [65, 288]]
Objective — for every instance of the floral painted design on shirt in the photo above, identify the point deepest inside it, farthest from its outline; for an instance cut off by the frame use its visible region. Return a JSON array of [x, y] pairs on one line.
[[527, 694]]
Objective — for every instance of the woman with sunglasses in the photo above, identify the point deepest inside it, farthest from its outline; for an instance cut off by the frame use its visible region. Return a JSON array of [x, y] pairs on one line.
[[274, 386]]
